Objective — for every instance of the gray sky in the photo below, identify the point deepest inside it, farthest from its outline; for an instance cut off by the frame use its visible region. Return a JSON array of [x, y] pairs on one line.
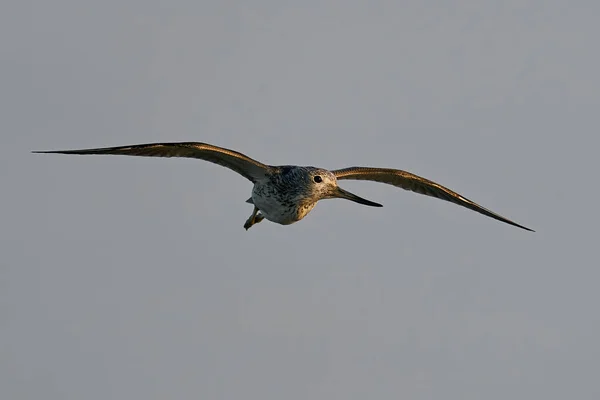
[[126, 278]]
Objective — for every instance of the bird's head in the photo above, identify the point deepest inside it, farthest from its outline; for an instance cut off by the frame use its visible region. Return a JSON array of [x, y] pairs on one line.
[[324, 185]]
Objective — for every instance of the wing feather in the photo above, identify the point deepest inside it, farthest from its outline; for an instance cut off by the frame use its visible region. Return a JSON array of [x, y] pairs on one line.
[[238, 162], [415, 183]]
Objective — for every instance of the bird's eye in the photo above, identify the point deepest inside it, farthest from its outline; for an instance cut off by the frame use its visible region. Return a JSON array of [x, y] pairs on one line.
[[318, 179]]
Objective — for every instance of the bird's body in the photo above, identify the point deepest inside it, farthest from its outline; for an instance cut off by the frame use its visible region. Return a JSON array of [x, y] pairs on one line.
[[284, 197], [290, 192], [286, 194]]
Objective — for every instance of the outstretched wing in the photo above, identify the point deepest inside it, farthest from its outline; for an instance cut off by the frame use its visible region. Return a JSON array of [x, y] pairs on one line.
[[408, 181], [240, 163]]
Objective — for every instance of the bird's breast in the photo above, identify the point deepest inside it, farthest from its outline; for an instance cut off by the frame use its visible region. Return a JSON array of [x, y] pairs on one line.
[[280, 206]]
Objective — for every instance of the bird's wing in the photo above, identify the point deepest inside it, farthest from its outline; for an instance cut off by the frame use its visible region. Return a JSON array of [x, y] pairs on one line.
[[240, 163], [408, 181]]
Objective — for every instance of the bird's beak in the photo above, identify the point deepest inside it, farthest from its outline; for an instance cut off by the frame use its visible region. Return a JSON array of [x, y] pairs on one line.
[[340, 193]]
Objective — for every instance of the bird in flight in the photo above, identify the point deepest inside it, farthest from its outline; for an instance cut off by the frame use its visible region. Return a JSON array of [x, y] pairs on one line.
[[285, 194]]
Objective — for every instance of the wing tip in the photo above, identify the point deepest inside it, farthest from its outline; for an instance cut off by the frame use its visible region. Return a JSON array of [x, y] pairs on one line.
[[51, 151], [509, 222], [526, 228]]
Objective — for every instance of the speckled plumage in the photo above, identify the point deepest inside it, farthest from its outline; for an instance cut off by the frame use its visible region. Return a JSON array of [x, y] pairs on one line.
[[286, 194]]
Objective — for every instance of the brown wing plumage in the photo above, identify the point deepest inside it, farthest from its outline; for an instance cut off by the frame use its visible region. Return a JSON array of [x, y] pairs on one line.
[[412, 182], [238, 162]]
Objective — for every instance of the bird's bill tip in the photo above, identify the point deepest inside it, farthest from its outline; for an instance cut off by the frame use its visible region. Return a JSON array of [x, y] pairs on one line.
[[344, 194]]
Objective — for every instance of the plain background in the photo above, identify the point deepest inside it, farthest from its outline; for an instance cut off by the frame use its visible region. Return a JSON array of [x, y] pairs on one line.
[[132, 278]]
